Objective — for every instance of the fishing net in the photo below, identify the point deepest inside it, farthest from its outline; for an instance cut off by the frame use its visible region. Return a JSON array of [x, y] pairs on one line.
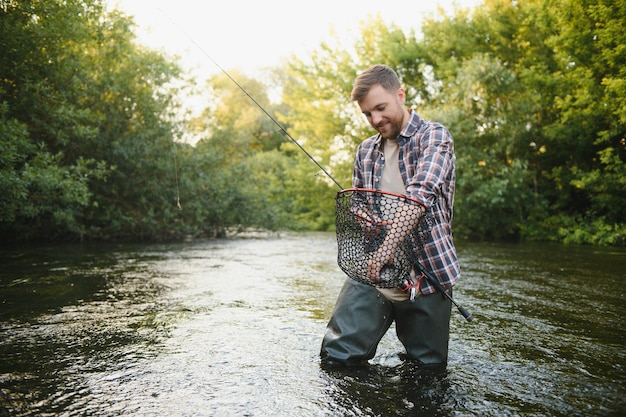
[[379, 231]]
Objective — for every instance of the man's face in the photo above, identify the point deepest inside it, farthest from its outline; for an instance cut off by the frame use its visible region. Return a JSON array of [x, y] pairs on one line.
[[385, 111]]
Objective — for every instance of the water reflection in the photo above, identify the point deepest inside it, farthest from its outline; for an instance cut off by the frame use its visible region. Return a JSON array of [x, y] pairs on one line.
[[401, 390], [233, 328], [66, 314]]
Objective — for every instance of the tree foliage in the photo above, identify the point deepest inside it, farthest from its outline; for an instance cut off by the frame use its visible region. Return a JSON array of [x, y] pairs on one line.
[[91, 125], [539, 81], [531, 92], [86, 114]]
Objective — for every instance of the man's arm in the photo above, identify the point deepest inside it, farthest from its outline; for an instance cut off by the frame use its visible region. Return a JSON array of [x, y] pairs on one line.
[[404, 222]]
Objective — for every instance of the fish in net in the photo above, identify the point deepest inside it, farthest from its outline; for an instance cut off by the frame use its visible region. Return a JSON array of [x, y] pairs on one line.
[[380, 236]]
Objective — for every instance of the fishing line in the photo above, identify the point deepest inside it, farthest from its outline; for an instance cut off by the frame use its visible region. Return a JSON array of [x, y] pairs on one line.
[[176, 176], [282, 129], [429, 277]]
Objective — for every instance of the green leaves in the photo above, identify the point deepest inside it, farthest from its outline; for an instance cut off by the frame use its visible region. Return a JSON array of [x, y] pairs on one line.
[[38, 194], [531, 92], [82, 98], [90, 125], [533, 83]]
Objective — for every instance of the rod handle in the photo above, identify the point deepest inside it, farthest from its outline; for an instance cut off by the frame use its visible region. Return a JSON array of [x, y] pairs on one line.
[[468, 316]]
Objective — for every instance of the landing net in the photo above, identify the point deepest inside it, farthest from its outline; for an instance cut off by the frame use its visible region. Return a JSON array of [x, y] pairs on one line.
[[364, 220]]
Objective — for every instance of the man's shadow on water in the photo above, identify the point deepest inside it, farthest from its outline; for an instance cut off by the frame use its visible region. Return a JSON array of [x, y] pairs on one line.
[[407, 389]]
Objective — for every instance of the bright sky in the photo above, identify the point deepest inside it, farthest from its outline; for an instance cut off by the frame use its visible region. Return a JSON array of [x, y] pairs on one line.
[[255, 34]]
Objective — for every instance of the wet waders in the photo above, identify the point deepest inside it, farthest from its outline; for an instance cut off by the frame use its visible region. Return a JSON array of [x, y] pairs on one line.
[[363, 315]]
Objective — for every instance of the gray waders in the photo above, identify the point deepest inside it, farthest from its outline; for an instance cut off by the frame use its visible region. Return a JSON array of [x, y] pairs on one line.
[[363, 315]]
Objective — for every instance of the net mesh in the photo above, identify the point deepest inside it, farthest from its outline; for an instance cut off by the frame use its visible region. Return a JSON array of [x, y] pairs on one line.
[[379, 231]]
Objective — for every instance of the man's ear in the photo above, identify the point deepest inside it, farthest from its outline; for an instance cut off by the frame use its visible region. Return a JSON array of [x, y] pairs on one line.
[[401, 95]]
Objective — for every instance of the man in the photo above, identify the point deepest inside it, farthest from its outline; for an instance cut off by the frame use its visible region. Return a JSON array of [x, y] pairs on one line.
[[415, 158]]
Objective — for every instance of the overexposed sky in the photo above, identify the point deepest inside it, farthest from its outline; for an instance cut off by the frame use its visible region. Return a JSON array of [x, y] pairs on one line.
[[254, 34]]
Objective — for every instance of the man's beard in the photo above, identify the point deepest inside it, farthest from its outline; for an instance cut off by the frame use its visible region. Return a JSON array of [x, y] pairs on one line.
[[393, 130]]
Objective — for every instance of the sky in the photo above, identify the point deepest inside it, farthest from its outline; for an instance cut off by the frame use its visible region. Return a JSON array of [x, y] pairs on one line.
[[252, 35]]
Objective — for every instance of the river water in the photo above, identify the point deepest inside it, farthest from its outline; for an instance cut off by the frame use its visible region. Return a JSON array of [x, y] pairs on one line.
[[233, 328]]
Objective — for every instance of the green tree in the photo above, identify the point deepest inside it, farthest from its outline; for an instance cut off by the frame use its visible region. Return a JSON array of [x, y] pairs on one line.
[[539, 82], [532, 94], [36, 188], [96, 102], [238, 172]]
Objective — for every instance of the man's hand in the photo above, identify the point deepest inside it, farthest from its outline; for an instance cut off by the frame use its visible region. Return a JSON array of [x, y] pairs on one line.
[[371, 224], [405, 219]]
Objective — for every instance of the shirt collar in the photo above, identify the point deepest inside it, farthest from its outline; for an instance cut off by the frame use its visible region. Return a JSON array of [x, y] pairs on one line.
[[411, 127]]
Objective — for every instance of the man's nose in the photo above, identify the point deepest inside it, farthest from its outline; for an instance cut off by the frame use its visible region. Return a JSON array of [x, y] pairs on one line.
[[376, 118]]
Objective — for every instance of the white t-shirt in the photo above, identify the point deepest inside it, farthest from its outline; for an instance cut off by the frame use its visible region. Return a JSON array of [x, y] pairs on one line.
[[391, 181]]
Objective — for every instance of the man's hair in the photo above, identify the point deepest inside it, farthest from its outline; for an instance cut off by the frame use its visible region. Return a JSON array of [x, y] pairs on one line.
[[376, 74]]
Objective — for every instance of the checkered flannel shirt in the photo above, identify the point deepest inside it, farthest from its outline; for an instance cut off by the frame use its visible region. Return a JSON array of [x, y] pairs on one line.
[[427, 167]]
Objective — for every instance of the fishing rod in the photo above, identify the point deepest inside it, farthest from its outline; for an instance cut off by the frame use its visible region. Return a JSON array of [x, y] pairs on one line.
[[272, 118], [429, 277]]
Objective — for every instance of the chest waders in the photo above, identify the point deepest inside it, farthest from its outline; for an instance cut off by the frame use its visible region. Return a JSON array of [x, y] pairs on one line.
[[363, 315]]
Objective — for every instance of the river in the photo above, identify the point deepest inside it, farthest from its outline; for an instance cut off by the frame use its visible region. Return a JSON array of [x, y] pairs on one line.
[[233, 327]]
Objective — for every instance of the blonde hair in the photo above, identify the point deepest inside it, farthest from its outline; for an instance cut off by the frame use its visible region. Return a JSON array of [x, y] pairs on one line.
[[376, 74]]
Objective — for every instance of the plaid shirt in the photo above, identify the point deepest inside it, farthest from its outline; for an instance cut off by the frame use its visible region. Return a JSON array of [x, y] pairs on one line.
[[427, 167]]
